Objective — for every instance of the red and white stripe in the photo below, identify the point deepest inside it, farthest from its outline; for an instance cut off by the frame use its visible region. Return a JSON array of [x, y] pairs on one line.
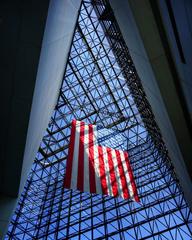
[[97, 169]]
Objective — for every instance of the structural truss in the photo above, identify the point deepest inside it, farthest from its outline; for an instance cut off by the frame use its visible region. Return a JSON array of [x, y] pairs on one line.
[[101, 86]]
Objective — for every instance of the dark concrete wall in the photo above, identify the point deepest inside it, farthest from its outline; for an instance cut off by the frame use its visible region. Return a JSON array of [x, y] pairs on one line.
[[21, 28], [31, 71], [182, 14]]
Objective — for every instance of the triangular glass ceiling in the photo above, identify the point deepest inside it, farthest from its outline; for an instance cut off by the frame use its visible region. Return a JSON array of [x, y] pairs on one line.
[[101, 86]]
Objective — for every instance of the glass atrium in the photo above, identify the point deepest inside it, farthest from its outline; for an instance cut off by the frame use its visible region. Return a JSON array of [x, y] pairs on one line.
[[101, 86]]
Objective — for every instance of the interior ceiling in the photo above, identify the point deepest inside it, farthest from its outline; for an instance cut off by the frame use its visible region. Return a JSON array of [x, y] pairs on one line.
[[101, 86]]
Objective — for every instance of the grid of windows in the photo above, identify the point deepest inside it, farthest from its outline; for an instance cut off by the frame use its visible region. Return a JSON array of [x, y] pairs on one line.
[[101, 86]]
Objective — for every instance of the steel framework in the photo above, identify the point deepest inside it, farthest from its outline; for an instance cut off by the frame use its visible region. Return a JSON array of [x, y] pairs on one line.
[[101, 86]]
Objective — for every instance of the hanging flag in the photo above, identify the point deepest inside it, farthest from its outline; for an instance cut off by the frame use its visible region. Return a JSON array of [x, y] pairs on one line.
[[97, 169]]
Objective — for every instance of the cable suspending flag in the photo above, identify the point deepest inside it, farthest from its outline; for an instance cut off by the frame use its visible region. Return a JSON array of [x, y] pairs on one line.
[[97, 169]]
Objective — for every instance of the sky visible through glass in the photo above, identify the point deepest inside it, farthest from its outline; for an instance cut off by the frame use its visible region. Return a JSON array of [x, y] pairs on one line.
[[100, 86]]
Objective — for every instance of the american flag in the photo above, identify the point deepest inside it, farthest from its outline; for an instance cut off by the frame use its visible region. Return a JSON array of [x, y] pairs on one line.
[[97, 169]]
